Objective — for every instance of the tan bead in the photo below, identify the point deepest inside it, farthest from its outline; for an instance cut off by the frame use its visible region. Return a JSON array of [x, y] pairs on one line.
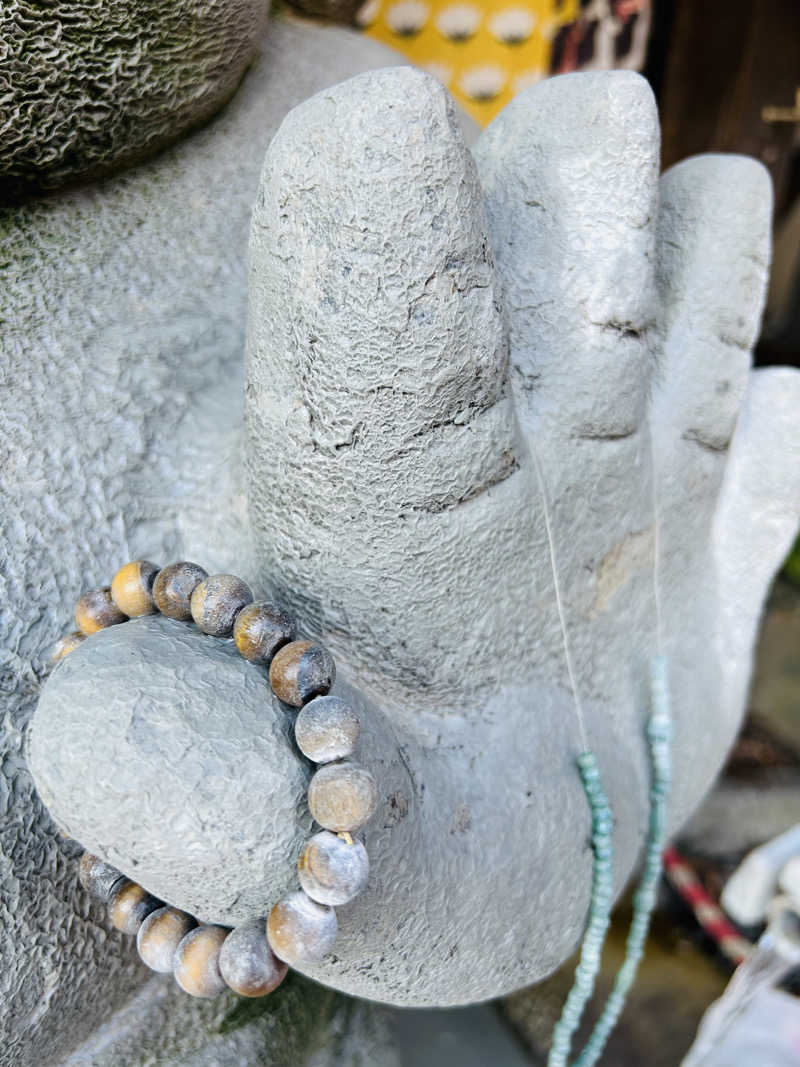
[[301, 931], [196, 965], [173, 588], [96, 610], [260, 630], [327, 729], [342, 796], [65, 645], [129, 905], [300, 671], [159, 936], [132, 588], [248, 964], [332, 870], [97, 877], [217, 601]]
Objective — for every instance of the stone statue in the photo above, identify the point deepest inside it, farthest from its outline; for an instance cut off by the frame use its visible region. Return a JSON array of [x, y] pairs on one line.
[[438, 341]]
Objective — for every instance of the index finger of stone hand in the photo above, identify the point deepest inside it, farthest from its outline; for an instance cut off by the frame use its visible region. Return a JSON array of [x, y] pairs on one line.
[[569, 170], [377, 400]]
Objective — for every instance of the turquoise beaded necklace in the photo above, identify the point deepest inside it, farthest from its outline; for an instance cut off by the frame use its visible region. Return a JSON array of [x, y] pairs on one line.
[[659, 731]]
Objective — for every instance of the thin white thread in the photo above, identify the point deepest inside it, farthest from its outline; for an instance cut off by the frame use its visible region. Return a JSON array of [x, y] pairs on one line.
[[559, 602], [656, 544]]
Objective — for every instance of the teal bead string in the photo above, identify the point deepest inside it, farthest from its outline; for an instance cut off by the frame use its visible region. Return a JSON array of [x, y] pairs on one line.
[[599, 910], [659, 737]]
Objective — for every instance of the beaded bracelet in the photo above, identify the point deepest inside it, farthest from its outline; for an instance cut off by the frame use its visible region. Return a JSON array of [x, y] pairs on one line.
[[253, 958]]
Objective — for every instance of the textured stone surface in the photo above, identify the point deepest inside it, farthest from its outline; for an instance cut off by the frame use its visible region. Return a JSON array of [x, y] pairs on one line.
[[300, 1023], [441, 357], [88, 87], [395, 505], [123, 307], [202, 804]]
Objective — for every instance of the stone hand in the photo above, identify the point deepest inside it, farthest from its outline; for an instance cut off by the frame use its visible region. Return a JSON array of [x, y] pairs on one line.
[[436, 344]]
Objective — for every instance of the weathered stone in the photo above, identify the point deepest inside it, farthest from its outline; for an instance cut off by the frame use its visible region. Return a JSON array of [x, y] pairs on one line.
[[220, 840], [138, 333], [90, 87]]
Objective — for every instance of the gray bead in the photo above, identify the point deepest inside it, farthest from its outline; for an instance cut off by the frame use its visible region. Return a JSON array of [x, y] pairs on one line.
[[300, 930], [327, 729], [159, 936], [98, 878], [331, 870], [173, 588], [260, 630], [342, 796], [217, 601], [248, 964]]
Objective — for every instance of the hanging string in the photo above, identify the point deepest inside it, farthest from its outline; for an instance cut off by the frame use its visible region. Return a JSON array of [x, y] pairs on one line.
[[602, 894], [659, 738]]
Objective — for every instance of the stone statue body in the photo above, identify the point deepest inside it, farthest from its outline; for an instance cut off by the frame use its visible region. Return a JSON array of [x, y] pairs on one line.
[[432, 339]]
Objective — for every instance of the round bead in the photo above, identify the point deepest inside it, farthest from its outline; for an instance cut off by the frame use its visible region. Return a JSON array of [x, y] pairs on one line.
[[196, 965], [132, 588], [260, 630], [159, 936], [173, 588], [301, 670], [65, 645], [217, 601], [129, 905], [342, 796], [327, 729], [331, 870], [248, 964], [300, 930], [97, 877], [96, 610]]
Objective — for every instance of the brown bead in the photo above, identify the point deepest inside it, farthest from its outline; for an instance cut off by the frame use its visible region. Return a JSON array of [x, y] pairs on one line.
[[248, 964], [129, 905], [132, 588], [65, 645], [217, 601], [196, 965], [95, 610], [159, 936], [342, 796], [260, 630], [173, 588], [300, 930], [97, 877], [300, 671]]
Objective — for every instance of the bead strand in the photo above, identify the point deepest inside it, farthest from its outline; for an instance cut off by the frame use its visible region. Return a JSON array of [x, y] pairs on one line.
[[659, 737], [333, 868], [599, 910]]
